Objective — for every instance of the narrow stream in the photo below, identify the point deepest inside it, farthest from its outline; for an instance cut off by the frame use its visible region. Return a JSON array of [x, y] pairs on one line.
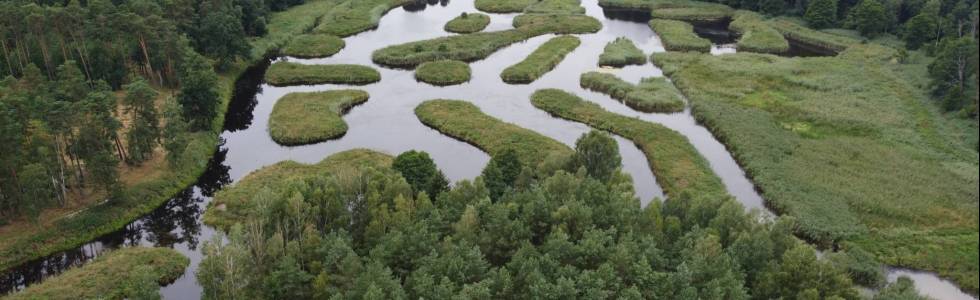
[[387, 123]]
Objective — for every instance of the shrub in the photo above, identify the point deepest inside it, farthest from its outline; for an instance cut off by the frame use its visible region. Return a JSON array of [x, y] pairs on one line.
[[288, 73], [821, 13], [755, 35], [621, 52], [468, 23], [869, 17], [313, 45], [541, 61], [651, 95], [502, 6], [443, 72], [679, 36], [421, 173], [304, 118], [355, 16]]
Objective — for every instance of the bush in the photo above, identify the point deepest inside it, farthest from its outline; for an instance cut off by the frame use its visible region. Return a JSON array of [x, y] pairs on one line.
[[651, 95], [541, 61], [679, 36], [305, 118], [869, 17], [355, 16], [621, 52], [502, 6], [313, 46], [862, 267], [421, 173], [756, 35], [288, 73], [821, 13], [443, 72], [468, 23]]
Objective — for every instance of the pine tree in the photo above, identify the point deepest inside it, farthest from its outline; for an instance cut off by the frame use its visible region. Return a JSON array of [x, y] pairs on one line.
[[869, 17], [821, 13], [144, 132], [199, 95]]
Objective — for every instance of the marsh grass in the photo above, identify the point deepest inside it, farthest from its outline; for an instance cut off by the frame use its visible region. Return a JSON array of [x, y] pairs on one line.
[[285, 25], [826, 42], [539, 24], [679, 36], [646, 5], [313, 46], [464, 121], [696, 12], [502, 6], [621, 52], [468, 23], [541, 61], [289, 73], [653, 94], [677, 165], [555, 7], [355, 16], [305, 118], [110, 275], [755, 34], [443, 72]]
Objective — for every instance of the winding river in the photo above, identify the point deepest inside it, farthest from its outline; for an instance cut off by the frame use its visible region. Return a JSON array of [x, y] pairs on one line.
[[387, 123]]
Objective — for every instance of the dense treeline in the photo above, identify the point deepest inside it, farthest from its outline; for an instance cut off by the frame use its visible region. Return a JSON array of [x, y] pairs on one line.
[[66, 128], [376, 233]]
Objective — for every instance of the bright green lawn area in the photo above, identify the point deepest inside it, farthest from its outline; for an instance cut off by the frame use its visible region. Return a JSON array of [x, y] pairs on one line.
[[653, 94], [289, 73], [304, 118], [848, 147], [541, 61], [756, 35], [443, 72], [468, 23], [621, 52], [113, 275], [502, 6], [313, 45], [464, 121], [679, 36], [354, 16]]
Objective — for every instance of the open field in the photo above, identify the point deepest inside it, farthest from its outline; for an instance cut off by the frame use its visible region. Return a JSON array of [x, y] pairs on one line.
[[468, 23], [313, 46], [679, 36], [541, 61], [113, 275], [289, 73], [621, 52], [651, 95], [849, 148], [464, 121], [304, 118], [354, 16], [443, 72], [755, 34]]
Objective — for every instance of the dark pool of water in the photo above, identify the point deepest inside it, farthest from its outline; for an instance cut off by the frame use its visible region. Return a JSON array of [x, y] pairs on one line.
[[386, 122]]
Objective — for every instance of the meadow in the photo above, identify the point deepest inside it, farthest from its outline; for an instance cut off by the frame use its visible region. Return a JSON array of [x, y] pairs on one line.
[[305, 118], [289, 73], [653, 94], [621, 52], [541, 61], [443, 72]]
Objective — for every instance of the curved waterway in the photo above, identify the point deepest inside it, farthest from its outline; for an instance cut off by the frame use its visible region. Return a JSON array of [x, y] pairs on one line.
[[387, 123]]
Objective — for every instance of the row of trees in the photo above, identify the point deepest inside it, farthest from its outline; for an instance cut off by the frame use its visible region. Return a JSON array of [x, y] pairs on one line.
[[579, 233], [62, 64]]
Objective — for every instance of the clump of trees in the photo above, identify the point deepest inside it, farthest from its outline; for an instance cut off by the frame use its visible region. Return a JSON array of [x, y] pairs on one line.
[[368, 233]]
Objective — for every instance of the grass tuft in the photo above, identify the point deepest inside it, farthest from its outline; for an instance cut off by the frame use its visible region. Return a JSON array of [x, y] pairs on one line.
[[679, 36], [289, 73], [313, 46], [653, 94], [305, 118], [541, 61], [468, 23], [621, 52], [443, 72]]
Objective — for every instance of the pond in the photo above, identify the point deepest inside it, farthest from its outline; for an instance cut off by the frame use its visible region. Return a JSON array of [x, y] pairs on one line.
[[387, 123]]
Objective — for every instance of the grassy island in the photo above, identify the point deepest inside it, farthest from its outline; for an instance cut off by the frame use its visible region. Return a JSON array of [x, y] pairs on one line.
[[653, 94], [468, 23], [305, 118], [621, 52], [443, 72], [541, 61], [502, 6], [354, 16], [289, 73], [755, 34], [313, 46], [679, 36]]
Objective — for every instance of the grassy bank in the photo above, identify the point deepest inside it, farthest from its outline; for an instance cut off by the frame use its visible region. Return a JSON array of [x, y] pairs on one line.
[[678, 166], [692, 11], [755, 34], [849, 148], [285, 25], [476, 46], [651, 95], [113, 275], [238, 202], [468, 23], [541, 61], [354, 16], [637, 5], [443, 72], [679, 36], [502, 6], [313, 46], [304, 118], [817, 40], [621, 52], [464, 121], [289, 73]]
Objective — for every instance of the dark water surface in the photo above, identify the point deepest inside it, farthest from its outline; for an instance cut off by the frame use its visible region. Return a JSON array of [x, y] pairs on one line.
[[387, 123]]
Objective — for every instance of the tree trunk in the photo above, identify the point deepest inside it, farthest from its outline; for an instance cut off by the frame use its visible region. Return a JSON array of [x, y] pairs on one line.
[[6, 56]]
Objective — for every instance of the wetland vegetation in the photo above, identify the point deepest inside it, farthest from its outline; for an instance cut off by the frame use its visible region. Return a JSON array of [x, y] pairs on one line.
[[313, 46], [289, 73], [468, 23], [304, 118], [622, 52], [652, 94], [541, 61], [679, 36], [443, 72]]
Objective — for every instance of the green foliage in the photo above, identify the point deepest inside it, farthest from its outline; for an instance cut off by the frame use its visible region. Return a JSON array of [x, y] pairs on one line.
[[821, 13], [290, 73], [468, 23], [464, 121], [621, 52], [802, 276], [862, 266], [819, 40], [421, 173], [285, 25], [539, 24], [219, 33], [755, 34], [443, 72], [919, 30], [541, 61], [198, 95], [502, 6], [679, 36], [953, 70], [312, 117], [627, 4], [598, 153], [869, 17], [901, 289], [118, 274], [653, 94], [555, 7], [144, 132], [501, 173], [313, 46], [692, 12], [354, 16]]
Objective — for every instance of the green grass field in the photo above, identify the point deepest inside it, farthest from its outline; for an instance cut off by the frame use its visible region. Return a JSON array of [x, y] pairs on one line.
[[756, 35], [305, 118], [678, 166], [464, 121], [844, 144], [468, 23], [289, 73], [541, 61], [679, 36], [502, 6], [443, 72], [653, 94], [621, 52], [313, 46], [112, 275], [354, 16]]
